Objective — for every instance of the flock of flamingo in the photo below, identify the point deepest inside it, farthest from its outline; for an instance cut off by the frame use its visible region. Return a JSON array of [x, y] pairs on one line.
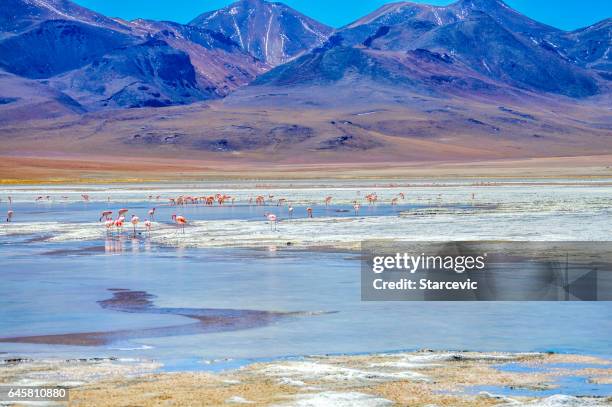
[[116, 224]]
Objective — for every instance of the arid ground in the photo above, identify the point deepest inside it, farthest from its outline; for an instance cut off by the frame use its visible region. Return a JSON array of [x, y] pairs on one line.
[[423, 378]]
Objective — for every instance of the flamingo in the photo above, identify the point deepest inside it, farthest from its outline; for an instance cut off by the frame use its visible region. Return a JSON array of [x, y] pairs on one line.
[[328, 201], [134, 221], [402, 195], [290, 209], [109, 223], [9, 215], [122, 212], [393, 201], [119, 224], [372, 198], [180, 220], [105, 214], [356, 206], [309, 210], [85, 197], [147, 224], [272, 218], [151, 213]]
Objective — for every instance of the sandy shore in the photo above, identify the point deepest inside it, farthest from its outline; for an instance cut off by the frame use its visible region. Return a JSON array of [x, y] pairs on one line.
[[104, 169], [424, 378]]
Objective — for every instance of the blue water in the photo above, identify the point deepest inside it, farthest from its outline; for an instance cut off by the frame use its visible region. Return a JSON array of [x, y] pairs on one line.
[[564, 384], [53, 288], [57, 293]]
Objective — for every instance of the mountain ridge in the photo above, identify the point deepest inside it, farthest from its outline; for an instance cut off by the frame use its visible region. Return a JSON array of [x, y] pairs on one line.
[[236, 45]]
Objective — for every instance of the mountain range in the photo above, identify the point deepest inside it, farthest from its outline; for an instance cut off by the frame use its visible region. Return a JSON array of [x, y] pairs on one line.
[[433, 68]]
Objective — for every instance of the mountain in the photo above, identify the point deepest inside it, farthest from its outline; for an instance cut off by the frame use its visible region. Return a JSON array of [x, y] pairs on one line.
[[272, 32], [336, 65], [220, 63], [102, 62], [490, 49], [148, 74], [19, 15], [56, 46], [411, 19], [23, 99], [474, 80], [591, 47], [472, 39]]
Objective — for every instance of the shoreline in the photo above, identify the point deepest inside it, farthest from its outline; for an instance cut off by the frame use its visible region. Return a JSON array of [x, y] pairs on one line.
[[84, 170], [418, 378]]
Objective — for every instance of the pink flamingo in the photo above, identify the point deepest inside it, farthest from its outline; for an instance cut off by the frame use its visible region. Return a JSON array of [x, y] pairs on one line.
[[134, 221], [9, 215], [119, 224], [372, 198], [356, 206], [393, 201], [290, 209], [401, 194], [328, 201], [85, 197], [105, 215], [122, 211], [109, 223], [309, 210], [151, 213], [147, 224], [272, 218], [180, 220]]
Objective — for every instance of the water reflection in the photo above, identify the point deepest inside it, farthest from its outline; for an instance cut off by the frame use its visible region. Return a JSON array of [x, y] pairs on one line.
[[119, 244]]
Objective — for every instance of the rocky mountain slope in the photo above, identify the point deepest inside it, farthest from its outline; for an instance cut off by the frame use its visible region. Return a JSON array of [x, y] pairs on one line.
[[469, 81], [272, 32], [19, 15], [471, 44], [99, 62]]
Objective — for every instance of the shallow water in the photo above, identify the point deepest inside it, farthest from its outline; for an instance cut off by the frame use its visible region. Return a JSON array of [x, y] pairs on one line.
[[53, 287]]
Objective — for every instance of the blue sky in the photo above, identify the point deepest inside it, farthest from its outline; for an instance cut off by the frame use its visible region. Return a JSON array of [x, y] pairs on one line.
[[565, 14]]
